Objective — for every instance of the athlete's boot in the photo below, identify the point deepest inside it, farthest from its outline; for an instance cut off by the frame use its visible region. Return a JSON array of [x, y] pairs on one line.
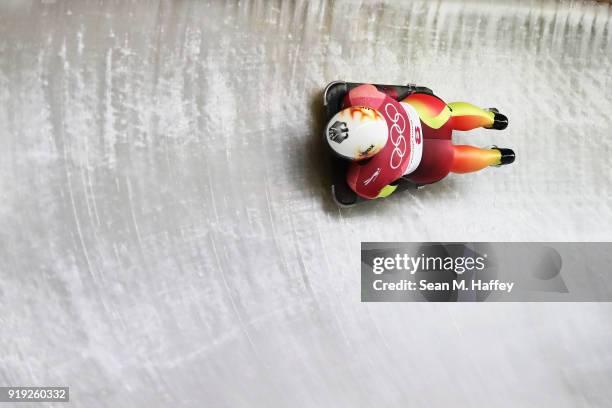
[[506, 155], [500, 121]]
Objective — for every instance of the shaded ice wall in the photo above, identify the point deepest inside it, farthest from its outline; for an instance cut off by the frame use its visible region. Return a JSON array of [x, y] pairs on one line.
[[168, 238]]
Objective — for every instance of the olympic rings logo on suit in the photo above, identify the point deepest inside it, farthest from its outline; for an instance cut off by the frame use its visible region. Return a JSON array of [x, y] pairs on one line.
[[396, 135]]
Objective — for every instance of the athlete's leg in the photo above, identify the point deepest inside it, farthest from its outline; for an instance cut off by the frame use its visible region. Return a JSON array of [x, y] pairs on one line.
[[467, 159], [432, 110], [466, 116]]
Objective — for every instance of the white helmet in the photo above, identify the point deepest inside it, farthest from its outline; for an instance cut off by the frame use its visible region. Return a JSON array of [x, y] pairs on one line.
[[357, 133]]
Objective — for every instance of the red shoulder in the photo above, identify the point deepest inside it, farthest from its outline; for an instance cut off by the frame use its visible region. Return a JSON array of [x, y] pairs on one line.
[[364, 95]]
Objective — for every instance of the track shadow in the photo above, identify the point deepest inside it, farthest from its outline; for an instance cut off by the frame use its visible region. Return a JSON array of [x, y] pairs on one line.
[[318, 158]]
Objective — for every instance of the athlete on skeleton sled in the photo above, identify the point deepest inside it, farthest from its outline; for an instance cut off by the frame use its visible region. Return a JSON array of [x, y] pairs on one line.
[[389, 139]]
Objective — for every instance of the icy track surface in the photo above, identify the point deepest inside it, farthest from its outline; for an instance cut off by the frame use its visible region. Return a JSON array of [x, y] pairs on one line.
[[167, 234]]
